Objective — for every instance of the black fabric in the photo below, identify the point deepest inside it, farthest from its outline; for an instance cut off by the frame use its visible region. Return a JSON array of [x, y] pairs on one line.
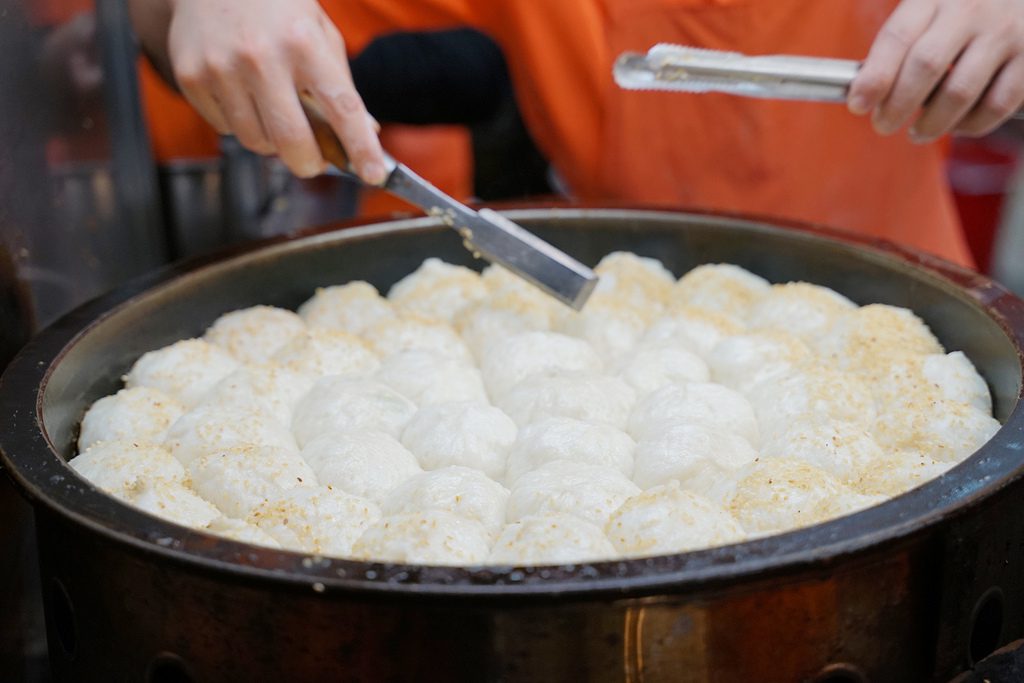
[[455, 77]]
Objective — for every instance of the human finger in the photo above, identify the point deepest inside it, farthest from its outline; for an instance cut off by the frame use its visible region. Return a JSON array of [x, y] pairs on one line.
[[962, 88], [875, 79], [208, 107], [274, 91], [1004, 98], [925, 65], [326, 76], [242, 115], [196, 84]]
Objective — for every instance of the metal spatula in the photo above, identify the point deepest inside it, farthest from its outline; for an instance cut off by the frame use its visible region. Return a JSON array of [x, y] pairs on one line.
[[485, 233]]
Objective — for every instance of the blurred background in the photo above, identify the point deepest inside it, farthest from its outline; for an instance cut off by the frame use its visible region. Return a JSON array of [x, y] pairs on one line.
[[106, 174]]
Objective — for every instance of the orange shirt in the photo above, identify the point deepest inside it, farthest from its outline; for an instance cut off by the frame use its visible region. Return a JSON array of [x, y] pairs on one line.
[[805, 161], [175, 129]]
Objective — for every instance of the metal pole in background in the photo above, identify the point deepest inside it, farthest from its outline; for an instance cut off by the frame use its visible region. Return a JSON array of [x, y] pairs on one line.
[[79, 214], [1008, 255]]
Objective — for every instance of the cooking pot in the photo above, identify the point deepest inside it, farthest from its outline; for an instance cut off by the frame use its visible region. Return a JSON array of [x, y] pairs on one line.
[[917, 588]]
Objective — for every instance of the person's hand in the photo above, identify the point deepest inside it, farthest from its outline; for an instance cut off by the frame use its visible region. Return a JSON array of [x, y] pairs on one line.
[[960, 63], [242, 65]]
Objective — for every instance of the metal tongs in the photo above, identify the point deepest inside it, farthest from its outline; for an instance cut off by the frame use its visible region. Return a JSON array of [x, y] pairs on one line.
[[680, 68], [690, 69], [485, 233]]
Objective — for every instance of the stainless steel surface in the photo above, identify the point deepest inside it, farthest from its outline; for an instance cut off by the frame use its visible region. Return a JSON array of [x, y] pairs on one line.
[[1008, 251], [489, 235], [240, 196], [688, 69], [681, 68], [194, 196], [915, 589], [485, 235]]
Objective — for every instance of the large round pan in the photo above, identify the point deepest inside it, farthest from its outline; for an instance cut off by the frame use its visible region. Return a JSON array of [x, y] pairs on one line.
[[914, 589]]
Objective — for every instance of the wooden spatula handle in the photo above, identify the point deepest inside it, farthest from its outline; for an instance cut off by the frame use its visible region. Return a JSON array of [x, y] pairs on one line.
[[326, 139]]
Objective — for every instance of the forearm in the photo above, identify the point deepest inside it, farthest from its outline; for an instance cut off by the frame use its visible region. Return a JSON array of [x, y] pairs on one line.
[[243, 64], [151, 20]]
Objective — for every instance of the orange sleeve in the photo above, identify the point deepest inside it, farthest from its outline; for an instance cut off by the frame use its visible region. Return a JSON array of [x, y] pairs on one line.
[[176, 130], [360, 21], [50, 12]]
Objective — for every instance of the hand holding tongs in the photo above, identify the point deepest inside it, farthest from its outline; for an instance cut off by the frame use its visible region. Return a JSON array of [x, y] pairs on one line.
[[485, 233], [689, 69]]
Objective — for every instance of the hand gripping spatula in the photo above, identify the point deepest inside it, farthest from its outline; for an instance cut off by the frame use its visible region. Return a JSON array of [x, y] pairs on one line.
[[485, 233]]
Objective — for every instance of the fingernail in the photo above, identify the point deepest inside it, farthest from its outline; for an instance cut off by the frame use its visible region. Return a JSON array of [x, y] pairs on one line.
[[309, 170], [919, 138], [374, 173], [858, 105], [882, 126]]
